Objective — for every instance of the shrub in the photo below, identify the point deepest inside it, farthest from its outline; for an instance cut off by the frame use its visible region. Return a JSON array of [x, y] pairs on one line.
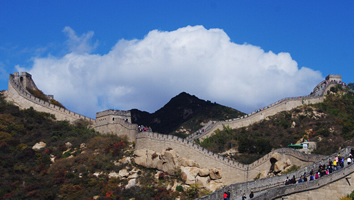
[[351, 195], [292, 169], [257, 177], [46, 159], [345, 198], [193, 191], [179, 188], [324, 132], [154, 155], [67, 154]]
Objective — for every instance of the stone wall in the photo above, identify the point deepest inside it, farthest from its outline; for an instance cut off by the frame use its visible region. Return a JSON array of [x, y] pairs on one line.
[[232, 171], [110, 115], [117, 127], [19, 96], [271, 188], [333, 186], [285, 104], [109, 121]]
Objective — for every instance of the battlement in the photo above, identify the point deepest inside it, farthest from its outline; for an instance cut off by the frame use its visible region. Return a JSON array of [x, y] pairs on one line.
[[260, 185], [18, 94], [109, 116], [114, 112], [284, 104], [333, 77]]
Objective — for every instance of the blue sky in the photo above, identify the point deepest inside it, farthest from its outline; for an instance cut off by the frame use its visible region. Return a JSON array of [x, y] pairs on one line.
[[95, 55]]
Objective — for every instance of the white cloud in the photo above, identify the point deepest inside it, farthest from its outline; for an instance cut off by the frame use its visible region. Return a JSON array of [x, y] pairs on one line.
[[147, 73], [79, 44]]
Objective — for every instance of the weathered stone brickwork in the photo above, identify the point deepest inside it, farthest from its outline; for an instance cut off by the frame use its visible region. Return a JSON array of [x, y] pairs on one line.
[[236, 172], [285, 104], [274, 187], [18, 95]]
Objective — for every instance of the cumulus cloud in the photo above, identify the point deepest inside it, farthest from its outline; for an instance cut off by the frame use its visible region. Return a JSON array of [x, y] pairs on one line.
[[147, 73]]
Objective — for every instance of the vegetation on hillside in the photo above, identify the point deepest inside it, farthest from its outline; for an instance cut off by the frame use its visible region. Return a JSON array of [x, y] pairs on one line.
[[40, 95], [330, 124], [183, 114], [348, 197], [30, 174]]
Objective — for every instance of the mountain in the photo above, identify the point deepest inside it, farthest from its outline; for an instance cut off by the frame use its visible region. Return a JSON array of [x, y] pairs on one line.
[[183, 114]]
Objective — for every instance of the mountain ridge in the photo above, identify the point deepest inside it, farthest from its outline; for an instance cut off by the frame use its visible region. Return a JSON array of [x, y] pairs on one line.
[[184, 111]]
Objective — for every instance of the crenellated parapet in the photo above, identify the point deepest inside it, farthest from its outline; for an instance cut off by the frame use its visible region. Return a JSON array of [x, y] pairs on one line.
[[116, 122], [333, 77], [237, 172], [285, 104], [18, 94], [274, 185], [112, 116]]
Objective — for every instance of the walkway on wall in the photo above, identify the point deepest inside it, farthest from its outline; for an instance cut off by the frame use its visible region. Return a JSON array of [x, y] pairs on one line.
[[190, 146], [318, 94], [15, 83], [271, 186], [286, 190]]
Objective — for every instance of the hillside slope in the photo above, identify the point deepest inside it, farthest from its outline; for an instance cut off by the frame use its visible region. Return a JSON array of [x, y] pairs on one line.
[[330, 124], [72, 162], [183, 110]]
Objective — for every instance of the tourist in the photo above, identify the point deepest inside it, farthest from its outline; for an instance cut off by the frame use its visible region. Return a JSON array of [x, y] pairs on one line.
[[251, 195], [287, 181], [335, 165], [225, 196], [293, 180], [349, 160], [244, 196], [228, 195], [305, 178], [312, 177]]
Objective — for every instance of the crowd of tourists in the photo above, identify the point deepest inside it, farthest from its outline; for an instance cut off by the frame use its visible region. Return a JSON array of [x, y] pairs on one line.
[[227, 195], [144, 129], [323, 170]]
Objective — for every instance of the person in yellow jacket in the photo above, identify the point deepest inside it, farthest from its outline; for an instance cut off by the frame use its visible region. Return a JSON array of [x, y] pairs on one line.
[[335, 165]]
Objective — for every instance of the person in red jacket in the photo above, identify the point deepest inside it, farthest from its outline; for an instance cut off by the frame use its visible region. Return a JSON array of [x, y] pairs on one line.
[[225, 196]]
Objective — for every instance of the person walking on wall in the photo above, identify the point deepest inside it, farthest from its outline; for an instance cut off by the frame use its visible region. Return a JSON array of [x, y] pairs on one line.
[[244, 196], [228, 195], [225, 196], [251, 195]]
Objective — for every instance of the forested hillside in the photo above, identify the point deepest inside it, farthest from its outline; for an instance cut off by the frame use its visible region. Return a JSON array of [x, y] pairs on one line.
[[73, 162], [183, 114], [330, 124]]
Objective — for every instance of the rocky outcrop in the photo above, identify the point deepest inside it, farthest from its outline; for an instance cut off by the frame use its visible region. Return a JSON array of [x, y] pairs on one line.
[[215, 174], [189, 174], [169, 161], [203, 172], [39, 145]]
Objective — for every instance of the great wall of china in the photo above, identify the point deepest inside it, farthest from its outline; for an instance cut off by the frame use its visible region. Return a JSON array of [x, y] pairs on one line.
[[285, 104], [18, 95], [239, 175]]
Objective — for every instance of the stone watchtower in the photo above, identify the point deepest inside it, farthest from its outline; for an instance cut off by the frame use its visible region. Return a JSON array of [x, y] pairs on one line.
[[112, 116], [332, 77], [116, 122], [25, 79]]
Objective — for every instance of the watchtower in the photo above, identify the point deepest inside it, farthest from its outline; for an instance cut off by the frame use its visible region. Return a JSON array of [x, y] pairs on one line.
[[332, 77], [25, 79], [116, 122], [112, 116]]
